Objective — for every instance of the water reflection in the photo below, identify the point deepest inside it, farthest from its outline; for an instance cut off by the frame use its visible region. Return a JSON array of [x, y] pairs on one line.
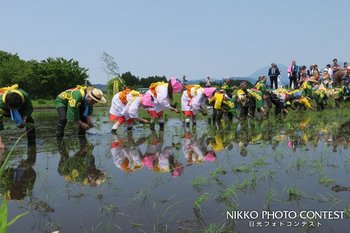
[[79, 168], [18, 180], [152, 159], [126, 152], [196, 151], [128, 157], [197, 148], [303, 134]]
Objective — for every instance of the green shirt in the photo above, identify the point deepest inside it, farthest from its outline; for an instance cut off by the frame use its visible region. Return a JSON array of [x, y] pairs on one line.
[[25, 109], [261, 85], [257, 95], [74, 100]]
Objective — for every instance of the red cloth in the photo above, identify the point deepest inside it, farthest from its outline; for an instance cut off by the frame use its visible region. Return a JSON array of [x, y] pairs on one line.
[[120, 119], [188, 113], [155, 114]]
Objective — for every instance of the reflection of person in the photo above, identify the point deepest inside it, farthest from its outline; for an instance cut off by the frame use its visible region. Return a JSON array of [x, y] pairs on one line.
[[126, 153], [195, 150], [155, 144], [17, 182], [124, 108], [80, 167], [216, 143], [161, 159], [16, 103], [76, 105], [160, 97], [166, 162]]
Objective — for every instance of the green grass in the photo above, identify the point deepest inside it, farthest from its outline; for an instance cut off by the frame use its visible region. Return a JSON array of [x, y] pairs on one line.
[[43, 103]]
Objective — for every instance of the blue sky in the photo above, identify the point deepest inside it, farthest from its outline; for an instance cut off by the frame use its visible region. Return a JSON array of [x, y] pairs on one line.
[[193, 37]]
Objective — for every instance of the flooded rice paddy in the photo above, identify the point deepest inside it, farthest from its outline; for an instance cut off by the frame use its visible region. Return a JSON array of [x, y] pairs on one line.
[[182, 180]]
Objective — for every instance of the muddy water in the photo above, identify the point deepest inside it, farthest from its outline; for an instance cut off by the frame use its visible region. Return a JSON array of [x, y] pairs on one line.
[[180, 180]]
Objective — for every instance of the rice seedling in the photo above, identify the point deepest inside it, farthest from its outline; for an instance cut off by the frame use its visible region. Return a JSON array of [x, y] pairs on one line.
[[216, 228], [228, 197], [200, 181], [325, 180], [197, 206], [136, 225], [319, 166], [268, 198], [110, 209], [165, 213], [218, 171], [141, 196], [300, 163], [111, 227], [243, 186], [93, 228], [243, 169], [347, 212], [320, 198], [259, 162], [294, 193]]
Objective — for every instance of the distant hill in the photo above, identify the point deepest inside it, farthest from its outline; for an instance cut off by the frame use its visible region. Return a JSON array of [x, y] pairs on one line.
[[102, 87], [265, 70], [197, 81]]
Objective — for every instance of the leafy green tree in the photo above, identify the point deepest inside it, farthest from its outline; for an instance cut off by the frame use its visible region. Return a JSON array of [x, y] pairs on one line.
[[55, 75], [12, 69], [44, 79]]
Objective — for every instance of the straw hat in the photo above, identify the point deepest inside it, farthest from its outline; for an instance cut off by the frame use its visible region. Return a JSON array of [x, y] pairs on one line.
[[96, 94]]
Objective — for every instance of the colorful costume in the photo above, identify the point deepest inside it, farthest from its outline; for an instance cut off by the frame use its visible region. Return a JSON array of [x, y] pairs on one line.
[[17, 115], [156, 99], [71, 105], [192, 100], [124, 108]]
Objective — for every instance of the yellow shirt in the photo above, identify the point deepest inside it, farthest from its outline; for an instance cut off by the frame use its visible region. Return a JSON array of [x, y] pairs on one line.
[[218, 98]]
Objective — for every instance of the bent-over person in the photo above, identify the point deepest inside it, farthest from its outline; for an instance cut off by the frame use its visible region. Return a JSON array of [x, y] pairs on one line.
[[16, 104], [76, 105]]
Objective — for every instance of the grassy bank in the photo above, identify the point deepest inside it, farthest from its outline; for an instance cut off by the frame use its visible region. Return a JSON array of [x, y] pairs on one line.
[[330, 111]]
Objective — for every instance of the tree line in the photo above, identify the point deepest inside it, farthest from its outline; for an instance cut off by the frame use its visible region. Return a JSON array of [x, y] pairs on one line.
[[47, 78], [41, 79]]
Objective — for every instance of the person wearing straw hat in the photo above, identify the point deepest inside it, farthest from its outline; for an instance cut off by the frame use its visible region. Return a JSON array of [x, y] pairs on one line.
[[76, 105], [16, 103]]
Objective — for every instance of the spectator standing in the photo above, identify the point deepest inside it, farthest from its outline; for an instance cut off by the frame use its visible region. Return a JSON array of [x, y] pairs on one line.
[[293, 70], [273, 74], [207, 82]]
